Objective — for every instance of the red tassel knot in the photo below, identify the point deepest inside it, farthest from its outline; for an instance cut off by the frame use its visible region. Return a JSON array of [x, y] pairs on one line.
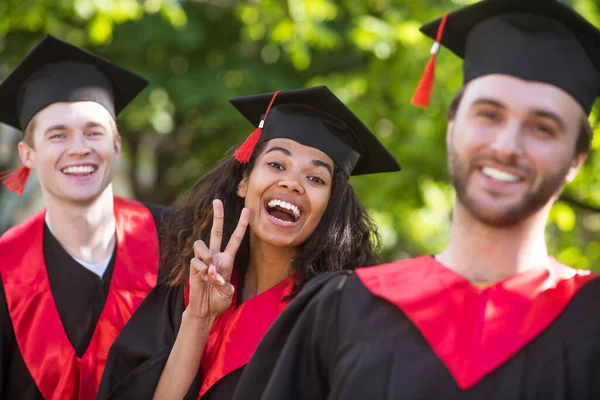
[[244, 152]]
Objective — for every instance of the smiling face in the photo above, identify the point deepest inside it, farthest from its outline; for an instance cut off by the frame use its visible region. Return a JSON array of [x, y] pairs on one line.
[[74, 148], [287, 192], [511, 147]]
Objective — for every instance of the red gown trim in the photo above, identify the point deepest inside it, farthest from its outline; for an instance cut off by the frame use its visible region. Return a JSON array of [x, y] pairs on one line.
[[44, 345], [236, 333], [474, 331]]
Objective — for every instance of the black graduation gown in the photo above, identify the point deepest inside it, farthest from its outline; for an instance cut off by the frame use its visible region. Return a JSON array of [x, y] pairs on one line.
[[135, 362], [336, 340], [79, 295]]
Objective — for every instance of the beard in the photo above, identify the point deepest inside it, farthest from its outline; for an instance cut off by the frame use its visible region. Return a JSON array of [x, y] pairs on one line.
[[509, 214]]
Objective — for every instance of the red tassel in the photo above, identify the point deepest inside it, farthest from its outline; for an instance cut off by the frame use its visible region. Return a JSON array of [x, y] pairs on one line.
[[15, 180], [425, 88], [244, 152], [423, 93]]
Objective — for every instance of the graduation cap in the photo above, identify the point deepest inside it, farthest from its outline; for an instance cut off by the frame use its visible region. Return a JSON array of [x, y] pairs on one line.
[[314, 117], [536, 40], [56, 71]]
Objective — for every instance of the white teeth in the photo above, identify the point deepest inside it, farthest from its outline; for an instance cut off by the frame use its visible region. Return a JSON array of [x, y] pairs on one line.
[[82, 169], [499, 175], [286, 205]]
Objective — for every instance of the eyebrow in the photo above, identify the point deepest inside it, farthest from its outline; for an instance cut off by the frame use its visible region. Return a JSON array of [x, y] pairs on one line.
[[489, 102], [321, 163], [281, 149], [537, 113], [318, 163], [56, 128], [93, 124]]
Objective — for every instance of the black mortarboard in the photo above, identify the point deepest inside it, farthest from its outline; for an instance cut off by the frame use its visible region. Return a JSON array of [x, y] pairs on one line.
[[56, 71], [314, 117], [536, 40]]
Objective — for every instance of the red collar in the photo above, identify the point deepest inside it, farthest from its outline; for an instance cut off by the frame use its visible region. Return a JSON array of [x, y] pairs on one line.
[[472, 330], [236, 333], [45, 347]]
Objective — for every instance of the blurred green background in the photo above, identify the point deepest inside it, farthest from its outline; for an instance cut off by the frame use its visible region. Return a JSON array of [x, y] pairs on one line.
[[199, 53]]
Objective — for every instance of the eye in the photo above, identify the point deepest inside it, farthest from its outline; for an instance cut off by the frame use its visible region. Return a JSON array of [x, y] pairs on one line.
[[544, 129], [95, 133], [316, 179], [57, 136], [276, 165], [489, 115]]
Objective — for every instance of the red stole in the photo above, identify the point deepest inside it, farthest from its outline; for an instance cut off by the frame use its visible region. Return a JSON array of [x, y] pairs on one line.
[[474, 331], [236, 333], [44, 345]]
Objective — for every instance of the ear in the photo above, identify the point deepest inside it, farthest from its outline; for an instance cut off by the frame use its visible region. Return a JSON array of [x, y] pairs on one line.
[[449, 133], [578, 161], [27, 155], [117, 145], [242, 187]]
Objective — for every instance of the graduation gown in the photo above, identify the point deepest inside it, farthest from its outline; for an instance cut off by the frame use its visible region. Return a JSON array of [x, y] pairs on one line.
[[138, 356], [416, 330], [62, 316]]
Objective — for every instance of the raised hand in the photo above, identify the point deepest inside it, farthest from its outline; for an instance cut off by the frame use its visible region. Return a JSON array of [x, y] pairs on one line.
[[211, 292]]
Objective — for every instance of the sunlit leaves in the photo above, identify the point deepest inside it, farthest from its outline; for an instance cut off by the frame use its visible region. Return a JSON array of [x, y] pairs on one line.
[[198, 54], [100, 29], [563, 216]]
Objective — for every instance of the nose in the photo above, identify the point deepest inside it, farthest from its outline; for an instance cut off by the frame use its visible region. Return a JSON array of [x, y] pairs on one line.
[[507, 145], [79, 145], [292, 182]]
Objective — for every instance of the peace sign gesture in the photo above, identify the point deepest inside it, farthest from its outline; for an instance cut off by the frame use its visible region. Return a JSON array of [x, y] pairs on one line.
[[211, 292]]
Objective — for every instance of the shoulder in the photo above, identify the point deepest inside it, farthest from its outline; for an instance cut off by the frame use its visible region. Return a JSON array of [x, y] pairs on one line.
[[164, 291], [324, 285], [584, 304], [160, 214], [158, 210], [332, 293], [163, 305], [15, 243], [346, 283], [18, 231]]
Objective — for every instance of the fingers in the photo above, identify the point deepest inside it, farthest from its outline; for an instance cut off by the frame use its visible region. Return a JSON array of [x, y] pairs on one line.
[[214, 277], [216, 233], [238, 235], [224, 287], [200, 268], [202, 252]]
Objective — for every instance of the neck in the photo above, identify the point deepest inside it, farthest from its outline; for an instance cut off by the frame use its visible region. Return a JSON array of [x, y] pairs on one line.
[[484, 253], [85, 231], [268, 266]]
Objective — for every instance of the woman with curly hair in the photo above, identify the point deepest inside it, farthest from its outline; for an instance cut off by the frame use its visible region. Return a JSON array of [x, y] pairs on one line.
[[256, 227]]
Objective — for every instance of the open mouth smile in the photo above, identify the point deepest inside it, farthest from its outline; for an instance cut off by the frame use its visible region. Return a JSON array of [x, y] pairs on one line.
[[283, 211], [79, 170], [499, 175]]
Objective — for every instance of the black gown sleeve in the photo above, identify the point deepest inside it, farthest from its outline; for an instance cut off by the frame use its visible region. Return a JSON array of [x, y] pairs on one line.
[[293, 359], [160, 215], [139, 354]]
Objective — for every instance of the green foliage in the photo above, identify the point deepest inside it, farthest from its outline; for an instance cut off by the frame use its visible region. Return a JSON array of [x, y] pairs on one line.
[[198, 54]]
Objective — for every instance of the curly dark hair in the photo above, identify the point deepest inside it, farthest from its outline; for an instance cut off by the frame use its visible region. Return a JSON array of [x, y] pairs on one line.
[[346, 237]]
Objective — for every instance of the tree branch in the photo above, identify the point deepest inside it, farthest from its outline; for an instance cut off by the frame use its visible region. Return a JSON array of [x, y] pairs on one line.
[[579, 204]]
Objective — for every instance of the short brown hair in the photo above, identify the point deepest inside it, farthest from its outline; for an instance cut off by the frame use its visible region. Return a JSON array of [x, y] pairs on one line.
[[586, 131], [28, 132]]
